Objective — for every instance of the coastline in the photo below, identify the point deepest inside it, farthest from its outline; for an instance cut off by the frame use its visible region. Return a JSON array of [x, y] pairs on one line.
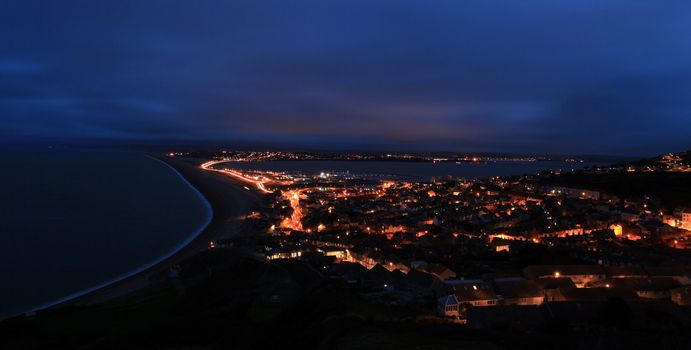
[[207, 220], [225, 201]]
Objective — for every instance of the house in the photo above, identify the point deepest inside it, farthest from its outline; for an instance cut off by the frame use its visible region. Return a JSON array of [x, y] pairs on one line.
[[441, 271], [553, 288], [581, 275], [422, 284], [471, 293], [380, 277], [336, 252], [286, 252], [521, 292], [683, 218], [647, 288], [448, 306]]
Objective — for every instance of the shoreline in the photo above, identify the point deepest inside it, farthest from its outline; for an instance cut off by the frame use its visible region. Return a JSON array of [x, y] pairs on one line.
[[222, 210], [198, 231]]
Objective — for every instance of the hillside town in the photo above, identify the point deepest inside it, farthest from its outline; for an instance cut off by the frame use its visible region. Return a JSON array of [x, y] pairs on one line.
[[481, 252]]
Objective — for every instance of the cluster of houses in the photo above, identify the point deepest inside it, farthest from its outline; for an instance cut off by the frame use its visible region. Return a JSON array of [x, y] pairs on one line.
[[571, 293], [374, 234], [559, 288], [536, 285], [517, 209], [681, 218]]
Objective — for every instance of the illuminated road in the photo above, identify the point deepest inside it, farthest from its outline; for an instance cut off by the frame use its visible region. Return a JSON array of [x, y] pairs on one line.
[[294, 222], [256, 181]]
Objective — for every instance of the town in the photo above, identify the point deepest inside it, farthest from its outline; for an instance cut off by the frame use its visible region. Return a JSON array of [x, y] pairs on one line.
[[516, 250]]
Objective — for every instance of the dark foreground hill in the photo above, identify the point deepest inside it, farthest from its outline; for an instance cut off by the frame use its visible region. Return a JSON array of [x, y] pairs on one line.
[[225, 300]]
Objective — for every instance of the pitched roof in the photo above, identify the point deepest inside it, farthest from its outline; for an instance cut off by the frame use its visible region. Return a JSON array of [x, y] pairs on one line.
[[449, 300], [437, 269], [420, 279], [518, 289], [555, 283], [472, 292], [380, 270], [398, 276], [380, 275]]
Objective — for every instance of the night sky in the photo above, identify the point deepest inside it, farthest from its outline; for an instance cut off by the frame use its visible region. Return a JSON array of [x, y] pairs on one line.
[[582, 77]]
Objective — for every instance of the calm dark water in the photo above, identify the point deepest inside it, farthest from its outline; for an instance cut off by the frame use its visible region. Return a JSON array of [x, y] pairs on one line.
[[410, 169], [71, 220]]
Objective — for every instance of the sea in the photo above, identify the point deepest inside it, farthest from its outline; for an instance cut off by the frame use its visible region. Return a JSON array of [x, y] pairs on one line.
[[411, 170], [72, 221]]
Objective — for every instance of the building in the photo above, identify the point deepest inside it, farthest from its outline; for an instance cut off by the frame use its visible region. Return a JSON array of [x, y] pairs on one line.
[[553, 288], [380, 277], [441, 271], [336, 252], [519, 292], [471, 293], [647, 288], [422, 284], [448, 306], [681, 219], [685, 221]]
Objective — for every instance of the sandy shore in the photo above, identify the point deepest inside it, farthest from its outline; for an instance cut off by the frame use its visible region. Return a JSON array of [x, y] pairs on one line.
[[230, 203]]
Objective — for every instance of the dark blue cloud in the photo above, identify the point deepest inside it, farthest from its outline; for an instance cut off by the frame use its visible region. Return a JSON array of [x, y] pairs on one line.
[[529, 76]]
